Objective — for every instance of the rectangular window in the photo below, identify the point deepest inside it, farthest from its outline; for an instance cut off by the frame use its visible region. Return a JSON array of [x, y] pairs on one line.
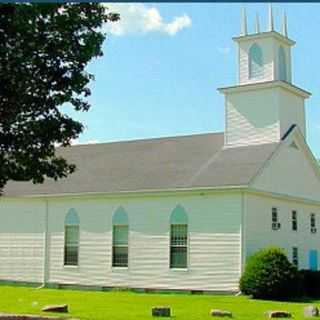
[[313, 260], [120, 246], [295, 258], [294, 220], [71, 247], [313, 227], [275, 223], [178, 246]]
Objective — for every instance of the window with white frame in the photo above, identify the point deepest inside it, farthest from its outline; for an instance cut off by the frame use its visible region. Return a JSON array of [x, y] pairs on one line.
[[71, 238], [313, 227], [275, 219], [255, 62], [179, 238], [282, 64], [295, 256], [294, 220], [120, 239]]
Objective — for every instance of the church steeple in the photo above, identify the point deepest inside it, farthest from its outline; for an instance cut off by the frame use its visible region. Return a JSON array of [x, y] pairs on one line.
[[264, 55], [264, 104]]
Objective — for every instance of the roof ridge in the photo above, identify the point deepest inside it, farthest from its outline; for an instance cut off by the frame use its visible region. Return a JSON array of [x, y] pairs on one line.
[[143, 139]]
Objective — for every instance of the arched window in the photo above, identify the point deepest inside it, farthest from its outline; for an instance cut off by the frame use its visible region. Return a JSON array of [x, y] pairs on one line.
[[178, 238], [282, 64], [71, 238], [120, 229], [255, 62]]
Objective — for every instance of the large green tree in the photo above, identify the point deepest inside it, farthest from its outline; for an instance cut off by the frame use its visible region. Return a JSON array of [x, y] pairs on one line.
[[44, 51]]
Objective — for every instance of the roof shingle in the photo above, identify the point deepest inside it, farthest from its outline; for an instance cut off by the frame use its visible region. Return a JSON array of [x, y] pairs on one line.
[[154, 164]]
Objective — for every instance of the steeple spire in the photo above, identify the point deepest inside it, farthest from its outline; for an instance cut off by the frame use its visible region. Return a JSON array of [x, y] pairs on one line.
[[244, 29], [257, 24], [271, 25], [285, 25]]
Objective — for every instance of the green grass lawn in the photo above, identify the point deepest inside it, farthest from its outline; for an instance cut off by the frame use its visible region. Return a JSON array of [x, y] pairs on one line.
[[115, 305]]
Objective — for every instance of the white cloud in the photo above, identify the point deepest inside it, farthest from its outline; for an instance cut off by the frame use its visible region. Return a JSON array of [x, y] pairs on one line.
[[75, 142], [92, 141], [224, 50], [139, 18]]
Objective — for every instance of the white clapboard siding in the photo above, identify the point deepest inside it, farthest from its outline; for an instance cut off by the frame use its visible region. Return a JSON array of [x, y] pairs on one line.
[[252, 117], [259, 234], [290, 172], [214, 243], [267, 73], [21, 240]]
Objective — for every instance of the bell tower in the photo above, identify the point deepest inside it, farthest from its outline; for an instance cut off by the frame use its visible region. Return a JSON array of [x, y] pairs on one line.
[[264, 104], [264, 56]]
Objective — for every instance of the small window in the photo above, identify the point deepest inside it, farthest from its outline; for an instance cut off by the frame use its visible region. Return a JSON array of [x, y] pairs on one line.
[[120, 238], [178, 246], [275, 223], [294, 220], [313, 227], [294, 145], [120, 246], [282, 64], [255, 62], [71, 239], [179, 238], [313, 260], [295, 258]]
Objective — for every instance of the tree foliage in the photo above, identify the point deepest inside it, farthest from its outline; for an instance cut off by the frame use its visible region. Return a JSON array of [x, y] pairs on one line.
[[269, 275], [44, 51]]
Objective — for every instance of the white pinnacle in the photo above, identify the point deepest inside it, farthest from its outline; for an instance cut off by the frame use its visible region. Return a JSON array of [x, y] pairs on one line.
[[257, 24], [244, 29], [271, 26], [285, 25]]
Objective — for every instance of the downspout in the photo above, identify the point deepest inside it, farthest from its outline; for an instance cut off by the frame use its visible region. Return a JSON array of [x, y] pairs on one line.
[[242, 235], [243, 231], [45, 246]]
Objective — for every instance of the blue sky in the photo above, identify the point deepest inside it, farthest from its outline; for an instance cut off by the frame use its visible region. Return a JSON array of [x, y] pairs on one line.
[[163, 63]]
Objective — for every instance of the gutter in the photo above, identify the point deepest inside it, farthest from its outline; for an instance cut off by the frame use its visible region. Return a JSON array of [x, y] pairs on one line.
[[142, 192]]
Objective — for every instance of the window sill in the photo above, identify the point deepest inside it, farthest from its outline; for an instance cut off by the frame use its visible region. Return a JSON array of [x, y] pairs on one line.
[[179, 269], [70, 267], [119, 268]]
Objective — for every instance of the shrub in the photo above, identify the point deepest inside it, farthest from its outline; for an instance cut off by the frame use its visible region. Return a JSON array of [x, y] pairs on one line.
[[311, 283], [270, 275]]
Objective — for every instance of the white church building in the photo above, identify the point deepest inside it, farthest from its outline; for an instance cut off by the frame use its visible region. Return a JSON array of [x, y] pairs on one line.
[[180, 212]]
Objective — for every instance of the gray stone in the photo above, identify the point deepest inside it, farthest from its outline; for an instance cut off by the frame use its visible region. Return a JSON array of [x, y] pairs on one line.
[[278, 314], [311, 311], [161, 312], [220, 313], [56, 308]]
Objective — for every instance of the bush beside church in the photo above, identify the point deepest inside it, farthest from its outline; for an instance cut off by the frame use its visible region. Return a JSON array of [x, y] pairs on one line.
[[270, 275]]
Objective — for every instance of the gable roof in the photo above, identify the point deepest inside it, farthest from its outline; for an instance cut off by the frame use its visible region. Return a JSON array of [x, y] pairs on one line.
[[284, 161], [195, 161]]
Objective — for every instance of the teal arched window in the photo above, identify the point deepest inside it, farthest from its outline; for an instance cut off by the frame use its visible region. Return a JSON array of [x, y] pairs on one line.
[[120, 230], [71, 238], [255, 62], [282, 64], [179, 238]]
